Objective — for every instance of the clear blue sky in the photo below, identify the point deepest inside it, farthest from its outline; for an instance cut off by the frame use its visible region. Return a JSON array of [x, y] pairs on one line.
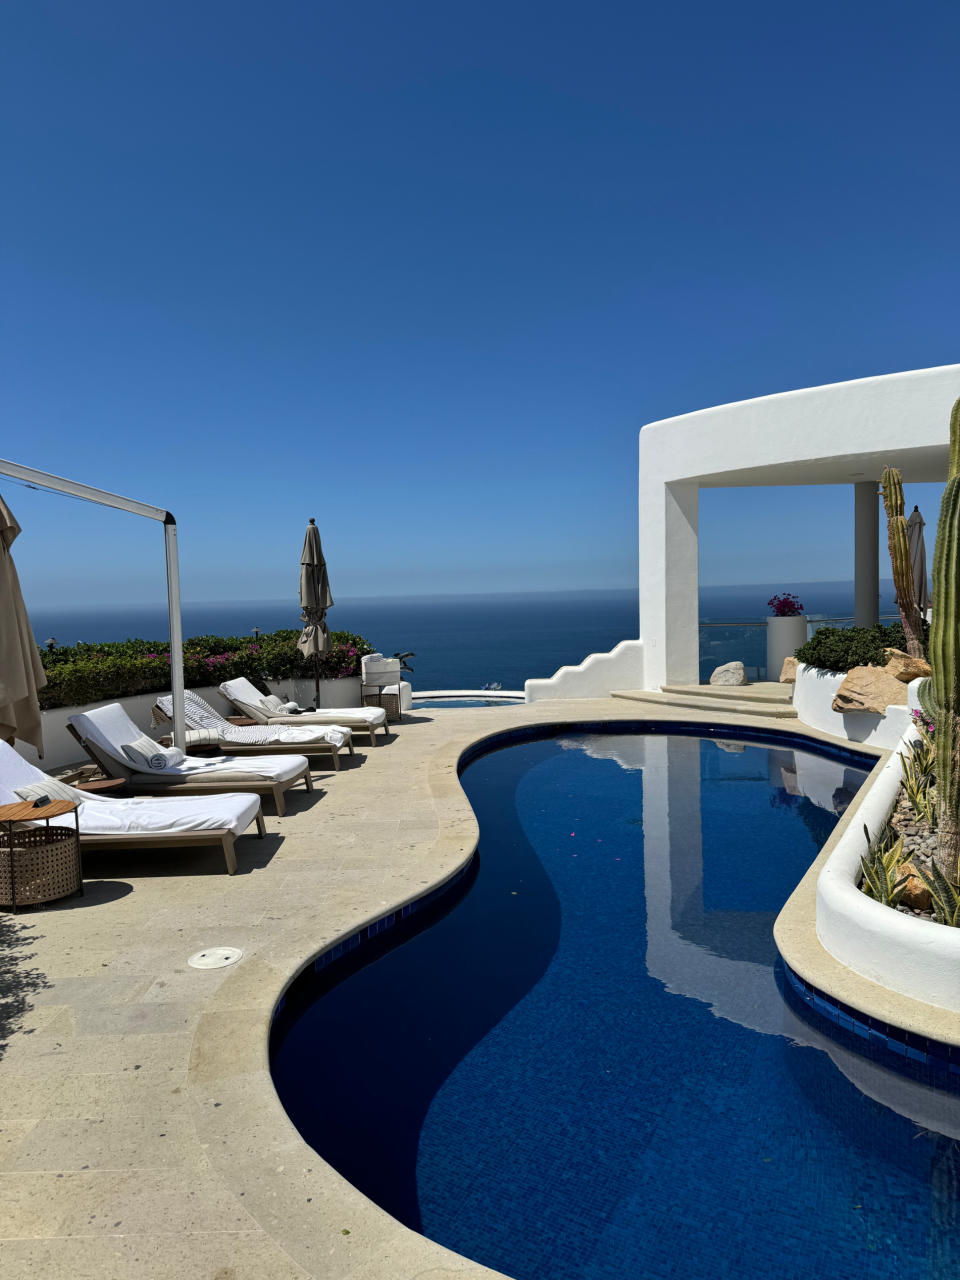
[[422, 270]]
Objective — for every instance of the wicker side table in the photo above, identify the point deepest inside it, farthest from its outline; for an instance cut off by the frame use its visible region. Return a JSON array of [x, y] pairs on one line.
[[38, 864], [380, 697]]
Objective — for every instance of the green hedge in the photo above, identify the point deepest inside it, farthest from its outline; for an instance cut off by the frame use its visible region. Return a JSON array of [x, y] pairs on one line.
[[842, 648], [84, 673]]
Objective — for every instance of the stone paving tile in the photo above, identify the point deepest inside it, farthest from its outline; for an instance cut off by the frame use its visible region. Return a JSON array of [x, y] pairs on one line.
[[121, 1139], [115, 1202], [248, 1255], [144, 1016]]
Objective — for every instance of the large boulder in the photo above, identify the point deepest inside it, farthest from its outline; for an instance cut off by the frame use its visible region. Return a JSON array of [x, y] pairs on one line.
[[788, 672], [903, 667], [870, 689], [916, 895], [729, 673]]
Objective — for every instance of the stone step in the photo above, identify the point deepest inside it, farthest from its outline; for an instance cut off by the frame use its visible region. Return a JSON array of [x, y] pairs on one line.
[[760, 691], [773, 710]]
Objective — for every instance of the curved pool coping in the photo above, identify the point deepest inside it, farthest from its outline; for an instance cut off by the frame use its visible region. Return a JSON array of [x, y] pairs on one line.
[[326, 1227]]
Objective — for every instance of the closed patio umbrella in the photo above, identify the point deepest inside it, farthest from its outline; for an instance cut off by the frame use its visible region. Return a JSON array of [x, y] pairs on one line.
[[918, 559], [21, 671], [315, 599]]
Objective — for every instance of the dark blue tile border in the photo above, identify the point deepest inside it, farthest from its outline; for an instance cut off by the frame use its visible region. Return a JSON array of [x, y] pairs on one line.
[[897, 1046], [375, 929]]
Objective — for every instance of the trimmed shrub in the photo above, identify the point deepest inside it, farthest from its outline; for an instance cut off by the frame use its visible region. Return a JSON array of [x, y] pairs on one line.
[[843, 648], [84, 673]]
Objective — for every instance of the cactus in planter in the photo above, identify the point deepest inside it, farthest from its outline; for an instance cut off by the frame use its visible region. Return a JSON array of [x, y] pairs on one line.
[[891, 484], [940, 695]]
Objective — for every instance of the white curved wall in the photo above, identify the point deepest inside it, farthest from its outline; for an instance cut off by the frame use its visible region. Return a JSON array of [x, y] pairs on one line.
[[903, 953], [813, 695], [595, 677]]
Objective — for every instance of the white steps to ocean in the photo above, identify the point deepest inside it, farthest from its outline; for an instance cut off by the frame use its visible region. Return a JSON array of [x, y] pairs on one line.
[[765, 698]]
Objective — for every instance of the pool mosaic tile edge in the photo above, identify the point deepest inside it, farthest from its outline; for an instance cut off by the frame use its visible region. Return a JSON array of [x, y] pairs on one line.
[[373, 930], [903, 1044]]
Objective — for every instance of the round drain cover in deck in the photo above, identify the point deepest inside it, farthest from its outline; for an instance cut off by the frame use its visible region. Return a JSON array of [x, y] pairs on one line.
[[215, 958]]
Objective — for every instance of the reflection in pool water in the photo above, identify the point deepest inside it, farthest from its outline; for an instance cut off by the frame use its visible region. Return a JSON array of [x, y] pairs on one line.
[[586, 1068]]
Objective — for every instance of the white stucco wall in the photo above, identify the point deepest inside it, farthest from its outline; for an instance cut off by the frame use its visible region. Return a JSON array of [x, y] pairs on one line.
[[844, 433], [813, 695], [595, 677]]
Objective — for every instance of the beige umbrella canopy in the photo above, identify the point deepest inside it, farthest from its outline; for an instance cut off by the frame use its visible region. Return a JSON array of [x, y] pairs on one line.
[[315, 599], [918, 559], [21, 671]]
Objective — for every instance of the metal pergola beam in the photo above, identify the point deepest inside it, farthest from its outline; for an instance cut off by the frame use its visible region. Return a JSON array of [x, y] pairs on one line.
[[59, 484]]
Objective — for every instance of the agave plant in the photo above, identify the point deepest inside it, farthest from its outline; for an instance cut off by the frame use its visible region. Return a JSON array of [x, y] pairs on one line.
[[881, 869], [917, 768], [945, 897]]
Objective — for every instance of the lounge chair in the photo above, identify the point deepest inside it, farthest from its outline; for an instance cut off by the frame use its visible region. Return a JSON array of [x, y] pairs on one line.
[[208, 728], [266, 708], [109, 737], [109, 822]]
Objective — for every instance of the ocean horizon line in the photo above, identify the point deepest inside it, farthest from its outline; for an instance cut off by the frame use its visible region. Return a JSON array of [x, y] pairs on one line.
[[795, 585]]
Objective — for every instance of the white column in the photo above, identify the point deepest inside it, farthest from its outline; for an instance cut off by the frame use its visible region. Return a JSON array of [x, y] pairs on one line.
[[866, 555], [669, 581]]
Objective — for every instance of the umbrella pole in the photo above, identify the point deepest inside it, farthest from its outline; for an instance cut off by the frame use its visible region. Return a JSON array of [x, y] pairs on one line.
[[176, 632], [316, 677]]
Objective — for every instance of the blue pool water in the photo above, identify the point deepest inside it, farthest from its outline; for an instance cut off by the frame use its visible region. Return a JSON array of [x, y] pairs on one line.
[[588, 1065]]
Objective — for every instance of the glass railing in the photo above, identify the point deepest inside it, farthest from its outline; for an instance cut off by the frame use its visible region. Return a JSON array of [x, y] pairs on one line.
[[746, 642]]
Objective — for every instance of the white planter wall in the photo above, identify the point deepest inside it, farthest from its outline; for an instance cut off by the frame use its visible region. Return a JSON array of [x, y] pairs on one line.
[[903, 953], [784, 637], [813, 695], [595, 677], [333, 693], [61, 748]]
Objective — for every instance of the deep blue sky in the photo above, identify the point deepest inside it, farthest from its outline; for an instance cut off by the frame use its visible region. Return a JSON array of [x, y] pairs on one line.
[[423, 270]]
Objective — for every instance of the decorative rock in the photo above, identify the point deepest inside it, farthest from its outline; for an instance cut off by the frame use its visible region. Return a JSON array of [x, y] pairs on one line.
[[788, 672], [869, 689], [729, 673], [916, 895], [904, 667]]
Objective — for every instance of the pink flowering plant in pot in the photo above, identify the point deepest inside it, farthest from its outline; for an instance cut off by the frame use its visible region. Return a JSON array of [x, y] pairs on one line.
[[786, 631], [786, 605]]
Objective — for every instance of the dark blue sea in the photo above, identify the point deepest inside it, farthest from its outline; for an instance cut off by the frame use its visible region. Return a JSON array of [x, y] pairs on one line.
[[463, 642]]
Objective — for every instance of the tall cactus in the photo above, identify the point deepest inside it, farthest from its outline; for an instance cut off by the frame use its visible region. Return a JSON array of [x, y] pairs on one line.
[[891, 484], [940, 695]]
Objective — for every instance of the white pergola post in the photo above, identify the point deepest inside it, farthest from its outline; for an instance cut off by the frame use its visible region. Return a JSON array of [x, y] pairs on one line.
[[669, 582], [57, 484], [866, 554]]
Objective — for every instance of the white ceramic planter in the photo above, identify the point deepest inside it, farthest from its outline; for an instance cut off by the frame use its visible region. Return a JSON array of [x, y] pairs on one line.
[[333, 693], [784, 637]]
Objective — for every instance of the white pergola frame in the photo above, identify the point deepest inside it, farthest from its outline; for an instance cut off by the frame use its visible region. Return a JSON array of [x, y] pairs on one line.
[[58, 484]]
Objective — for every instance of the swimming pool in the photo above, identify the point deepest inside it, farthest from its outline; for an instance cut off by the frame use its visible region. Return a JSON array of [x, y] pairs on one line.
[[588, 1065]]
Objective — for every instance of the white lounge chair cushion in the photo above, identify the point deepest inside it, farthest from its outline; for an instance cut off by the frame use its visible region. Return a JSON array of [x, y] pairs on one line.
[[249, 699], [212, 728], [111, 815], [108, 728]]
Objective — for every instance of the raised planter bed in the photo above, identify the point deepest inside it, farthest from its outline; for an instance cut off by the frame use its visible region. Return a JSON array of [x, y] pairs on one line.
[[813, 696]]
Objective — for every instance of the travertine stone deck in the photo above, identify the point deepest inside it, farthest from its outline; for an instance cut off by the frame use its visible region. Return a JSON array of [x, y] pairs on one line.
[[141, 1135]]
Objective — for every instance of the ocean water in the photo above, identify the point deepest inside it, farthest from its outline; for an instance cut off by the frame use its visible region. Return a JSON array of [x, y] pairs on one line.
[[463, 642]]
